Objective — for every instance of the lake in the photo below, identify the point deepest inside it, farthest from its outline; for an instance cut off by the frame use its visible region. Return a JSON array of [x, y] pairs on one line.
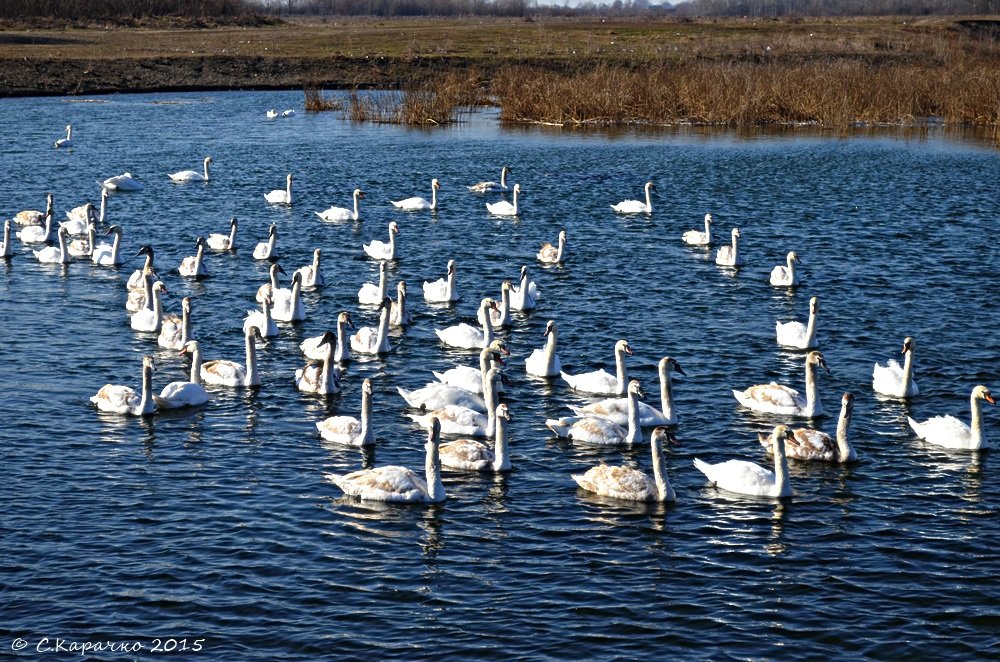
[[217, 525]]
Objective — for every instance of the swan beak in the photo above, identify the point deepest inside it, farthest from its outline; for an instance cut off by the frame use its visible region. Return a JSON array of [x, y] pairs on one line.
[[678, 369], [504, 350], [990, 399], [628, 350], [674, 441]]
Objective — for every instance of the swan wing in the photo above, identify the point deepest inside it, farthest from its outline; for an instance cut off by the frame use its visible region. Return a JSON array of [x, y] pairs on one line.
[[412, 204], [629, 207], [617, 482], [945, 431], [791, 334], [116, 399], [335, 214], [466, 454], [388, 483], [223, 373], [599, 381], [181, 394], [772, 398], [340, 430], [739, 476], [462, 335]]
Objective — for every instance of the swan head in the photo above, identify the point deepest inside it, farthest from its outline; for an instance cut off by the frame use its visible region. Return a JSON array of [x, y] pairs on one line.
[[105, 194], [794, 257], [317, 254], [186, 304], [908, 345], [273, 230], [276, 269], [451, 267], [668, 363], [517, 188], [847, 403], [814, 305], [297, 279], [663, 434], [199, 242], [366, 386], [815, 358], [63, 233], [434, 432], [145, 250], [289, 178], [393, 227], [708, 218], [401, 288], [233, 222], [650, 186], [254, 333], [344, 319], [503, 411], [635, 389], [489, 304], [267, 302], [507, 170], [736, 233], [498, 346], [208, 159], [506, 286], [147, 363], [524, 272], [778, 437], [48, 199], [550, 327], [383, 269], [983, 393], [623, 346], [328, 339], [359, 194], [435, 184], [190, 347], [160, 287], [562, 236], [386, 304]]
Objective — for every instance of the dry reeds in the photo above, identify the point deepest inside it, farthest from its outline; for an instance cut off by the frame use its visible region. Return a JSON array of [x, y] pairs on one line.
[[434, 102], [315, 101]]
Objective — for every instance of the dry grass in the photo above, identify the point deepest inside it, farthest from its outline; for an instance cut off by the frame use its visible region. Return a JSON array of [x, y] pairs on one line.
[[439, 101], [315, 101]]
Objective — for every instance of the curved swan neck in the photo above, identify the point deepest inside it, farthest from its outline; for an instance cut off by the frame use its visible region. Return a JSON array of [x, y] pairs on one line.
[[501, 460], [252, 378], [206, 169], [736, 248], [434, 197], [357, 208], [367, 435], [561, 248], [634, 435], [487, 326], [7, 248], [116, 244], [232, 235], [666, 392], [664, 491], [432, 472], [649, 199], [708, 230]]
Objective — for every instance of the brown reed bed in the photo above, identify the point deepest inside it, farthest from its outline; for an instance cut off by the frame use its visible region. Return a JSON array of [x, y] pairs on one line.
[[316, 102], [437, 101]]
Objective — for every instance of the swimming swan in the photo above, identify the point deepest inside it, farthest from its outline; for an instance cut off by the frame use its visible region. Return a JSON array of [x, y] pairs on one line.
[[949, 432], [729, 256], [417, 203], [492, 187], [311, 275], [893, 380], [472, 455], [123, 399], [504, 208], [443, 289], [601, 381], [796, 334], [466, 336], [742, 477], [192, 175], [810, 444], [342, 352], [371, 294], [175, 332], [399, 315], [185, 394], [54, 254], [124, 182], [697, 238], [222, 372], [369, 340], [262, 319], [460, 419], [381, 250], [525, 295], [109, 255], [218, 241], [469, 378], [149, 319], [602, 431], [550, 254], [626, 483], [68, 140], [194, 265], [784, 275], [288, 301], [323, 377], [778, 399], [269, 288], [341, 213], [36, 234], [264, 250], [636, 206], [281, 196], [348, 430], [545, 362], [32, 216], [616, 409], [135, 281]]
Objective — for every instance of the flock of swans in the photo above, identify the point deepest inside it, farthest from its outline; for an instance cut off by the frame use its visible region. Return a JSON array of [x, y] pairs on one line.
[[465, 400]]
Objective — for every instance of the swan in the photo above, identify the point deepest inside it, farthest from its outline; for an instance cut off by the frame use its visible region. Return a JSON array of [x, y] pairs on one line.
[[796, 334], [895, 381], [135, 281], [6, 250], [224, 242], [809, 444], [626, 483], [83, 246], [460, 419], [471, 379], [79, 218], [466, 336], [192, 175], [323, 377], [288, 302], [742, 477], [499, 317], [348, 430], [784, 275], [68, 140], [36, 234], [185, 394], [417, 203], [342, 213], [504, 208], [124, 182], [443, 289], [779, 399], [264, 250], [311, 276], [394, 483], [472, 455], [637, 206], [697, 238], [109, 255], [175, 332], [524, 296], [123, 399], [550, 254], [229, 373], [281, 196], [601, 381], [150, 319], [310, 346], [370, 340], [729, 256], [194, 265], [141, 298], [269, 288], [949, 432], [602, 431], [492, 187], [262, 319], [381, 250], [288, 113], [32, 216], [271, 114], [399, 315], [545, 362], [616, 409], [54, 254], [371, 294]]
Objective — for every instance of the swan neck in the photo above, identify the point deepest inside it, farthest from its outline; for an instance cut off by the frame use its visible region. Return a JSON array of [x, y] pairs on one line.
[[812, 391], [7, 248], [185, 325], [367, 435], [561, 248], [664, 491], [157, 305], [104, 203], [434, 198], [977, 422], [907, 372], [666, 394], [649, 200], [326, 376], [487, 327], [501, 460], [844, 450], [195, 377], [232, 236], [621, 372], [146, 403], [490, 398], [252, 378], [382, 338], [550, 352], [781, 469], [342, 343], [432, 472], [206, 170], [634, 435], [116, 243], [811, 329]]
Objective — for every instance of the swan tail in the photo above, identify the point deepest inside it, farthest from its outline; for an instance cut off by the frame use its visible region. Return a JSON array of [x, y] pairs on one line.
[[408, 396], [915, 426], [704, 467]]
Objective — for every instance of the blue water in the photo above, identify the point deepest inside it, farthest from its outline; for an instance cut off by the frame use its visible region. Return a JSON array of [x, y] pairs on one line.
[[217, 524]]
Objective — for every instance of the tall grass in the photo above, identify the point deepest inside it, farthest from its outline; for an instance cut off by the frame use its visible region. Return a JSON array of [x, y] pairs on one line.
[[436, 101]]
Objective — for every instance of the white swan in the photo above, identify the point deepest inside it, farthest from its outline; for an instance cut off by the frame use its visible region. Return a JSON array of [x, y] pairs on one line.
[[779, 399], [185, 394], [492, 187], [54, 254], [342, 213], [370, 340], [141, 298], [371, 294], [469, 378], [601, 381], [222, 372], [79, 218], [123, 399], [109, 255], [262, 319], [810, 444], [281, 196], [271, 286], [697, 238], [123, 182], [192, 175], [68, 140], [135, 281], [626, 483], [616, 409], [83, 246], [218, 241], [33, 216], [348, 430], [602, 431], [742, 477], [194, 265], [949, 432], [323, 377], [271, 113], [460, 419], [504, 208], [525, 295], [288, 302], [442, 290], [637, 206], [36, 234], [417, 203], [550, 254], [149, 319], [466, 336], [729, 256], [288, 113], [398, 484], [499, 317], [472, 455], [545, 362], [893, 380], [264, 250], [381, 250], [310, 346], [175, 332], [796, 334], [311, 275], [6, 250], [399, 315], [784, 275]]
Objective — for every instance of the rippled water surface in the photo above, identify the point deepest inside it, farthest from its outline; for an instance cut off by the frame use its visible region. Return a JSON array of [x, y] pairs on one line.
[[217, 523]]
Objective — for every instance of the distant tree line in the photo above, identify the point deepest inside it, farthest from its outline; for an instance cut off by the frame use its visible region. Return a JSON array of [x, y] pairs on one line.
[[123, 9], [400, 7], [780, 8]]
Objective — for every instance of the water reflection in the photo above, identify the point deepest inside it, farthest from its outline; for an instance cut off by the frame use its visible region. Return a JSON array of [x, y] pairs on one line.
[[776, 545]]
